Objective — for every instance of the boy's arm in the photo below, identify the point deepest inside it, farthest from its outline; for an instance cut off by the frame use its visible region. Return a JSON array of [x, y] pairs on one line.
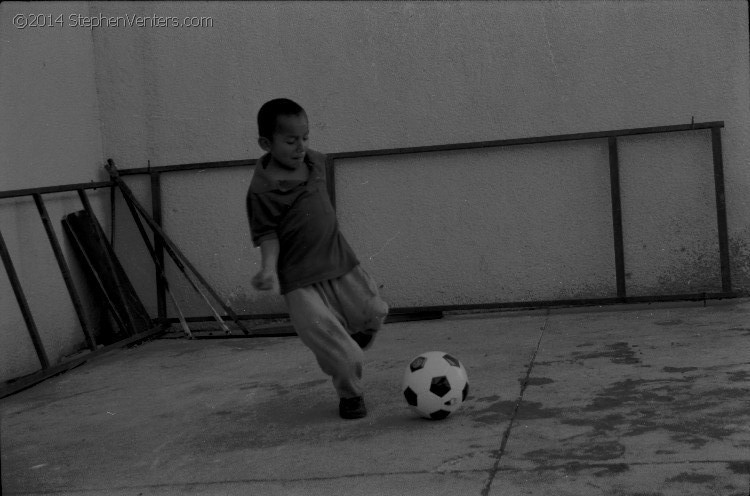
[[262, 229], [269, 253]]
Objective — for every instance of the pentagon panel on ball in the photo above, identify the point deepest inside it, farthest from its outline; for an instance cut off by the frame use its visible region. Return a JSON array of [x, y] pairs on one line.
[[435, 384]]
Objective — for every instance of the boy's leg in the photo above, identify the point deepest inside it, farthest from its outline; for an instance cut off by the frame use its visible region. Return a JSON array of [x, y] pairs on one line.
[[359, 303], [320, 329]]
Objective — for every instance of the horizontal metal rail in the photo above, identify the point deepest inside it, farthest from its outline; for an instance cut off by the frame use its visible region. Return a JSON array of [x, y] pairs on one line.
[[187, 167], [447, 147], [54, 189], [530, 141]]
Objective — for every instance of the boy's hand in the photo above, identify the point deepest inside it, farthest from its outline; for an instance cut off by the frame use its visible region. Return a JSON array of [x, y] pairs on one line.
[[263, 280]]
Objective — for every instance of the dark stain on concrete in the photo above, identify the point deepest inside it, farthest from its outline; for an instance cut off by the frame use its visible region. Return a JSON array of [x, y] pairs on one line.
[[739, 376], [692, 478], [599, 424], [500, 410], [536, 381], [741, 468], [250, 385], [530, 410], [496, 411], [487, 399], [619, 353], [635, 407], [679, 370], [599, 469], [310, 384], [293, 416], [672, 322], [595, 451], [627, 393], [189, 351]]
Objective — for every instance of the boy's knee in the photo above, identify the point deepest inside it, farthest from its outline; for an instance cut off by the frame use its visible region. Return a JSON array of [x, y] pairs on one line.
[[377, 315]]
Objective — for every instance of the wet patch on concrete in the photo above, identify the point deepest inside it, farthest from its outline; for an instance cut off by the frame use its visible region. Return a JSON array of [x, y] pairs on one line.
[[671, 322], [692, 478], [496, 411], [579, 467], [536, 381], [189, 351], [667, 404], [600, 425], [678, 370], [609, 450], [250, 385], [628, 393], [688, 410], [739, 376], [248, 426], [619, 353], [744, 330], [741, 468], [530, 410], [309, 384]]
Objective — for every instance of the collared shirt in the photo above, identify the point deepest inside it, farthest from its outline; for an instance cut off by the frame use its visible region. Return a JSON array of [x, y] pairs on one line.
[[300, 215]]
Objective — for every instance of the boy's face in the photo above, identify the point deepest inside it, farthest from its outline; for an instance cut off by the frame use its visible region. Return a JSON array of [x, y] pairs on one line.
[[289, 144]]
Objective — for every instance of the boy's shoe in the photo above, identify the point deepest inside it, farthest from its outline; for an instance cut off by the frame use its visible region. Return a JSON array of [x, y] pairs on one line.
[[363, 339], [352, 408]]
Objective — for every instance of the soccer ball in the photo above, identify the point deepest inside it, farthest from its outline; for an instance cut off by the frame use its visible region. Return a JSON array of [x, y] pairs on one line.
[[435, 384]]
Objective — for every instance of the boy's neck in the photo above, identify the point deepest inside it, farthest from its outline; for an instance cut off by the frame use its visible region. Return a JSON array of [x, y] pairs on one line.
[[279, 171]]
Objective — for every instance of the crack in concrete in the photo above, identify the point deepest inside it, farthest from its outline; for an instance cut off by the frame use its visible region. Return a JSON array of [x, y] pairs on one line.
[[498, 454]]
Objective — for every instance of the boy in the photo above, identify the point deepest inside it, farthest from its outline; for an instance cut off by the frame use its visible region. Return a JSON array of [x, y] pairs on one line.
[[333, 303]]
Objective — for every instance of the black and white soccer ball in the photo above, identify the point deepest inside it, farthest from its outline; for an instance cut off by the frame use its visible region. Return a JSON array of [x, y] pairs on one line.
[[435, 384]]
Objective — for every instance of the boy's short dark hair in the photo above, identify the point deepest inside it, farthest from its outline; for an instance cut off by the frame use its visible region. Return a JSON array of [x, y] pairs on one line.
[[271, 110]]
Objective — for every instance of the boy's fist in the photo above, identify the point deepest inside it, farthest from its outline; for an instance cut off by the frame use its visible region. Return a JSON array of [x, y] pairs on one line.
[[263, 280]]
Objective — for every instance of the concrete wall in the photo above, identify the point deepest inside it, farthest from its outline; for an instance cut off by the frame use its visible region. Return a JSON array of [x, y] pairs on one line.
[[380, 75], [466, 227], [49, 135]]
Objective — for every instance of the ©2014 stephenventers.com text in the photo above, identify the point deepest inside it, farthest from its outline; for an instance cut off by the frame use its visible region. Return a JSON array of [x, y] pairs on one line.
[[23, 21]]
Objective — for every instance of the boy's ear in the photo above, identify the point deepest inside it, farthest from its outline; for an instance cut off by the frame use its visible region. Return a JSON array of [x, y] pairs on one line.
[[264, 143]]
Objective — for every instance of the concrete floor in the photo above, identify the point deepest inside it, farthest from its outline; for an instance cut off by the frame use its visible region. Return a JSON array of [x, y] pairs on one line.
[[634, 400]]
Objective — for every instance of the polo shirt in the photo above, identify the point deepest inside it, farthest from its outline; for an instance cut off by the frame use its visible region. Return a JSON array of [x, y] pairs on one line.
[[300, 215]]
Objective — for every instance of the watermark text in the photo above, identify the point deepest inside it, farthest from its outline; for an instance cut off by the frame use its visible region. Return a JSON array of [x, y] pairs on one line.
[[34, 21]]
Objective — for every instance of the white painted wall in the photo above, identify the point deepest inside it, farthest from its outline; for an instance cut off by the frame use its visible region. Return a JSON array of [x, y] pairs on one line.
[[49, 135], [381, 75]]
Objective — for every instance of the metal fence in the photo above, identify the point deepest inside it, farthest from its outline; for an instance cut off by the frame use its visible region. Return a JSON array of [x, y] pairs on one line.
[[160, 244]]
